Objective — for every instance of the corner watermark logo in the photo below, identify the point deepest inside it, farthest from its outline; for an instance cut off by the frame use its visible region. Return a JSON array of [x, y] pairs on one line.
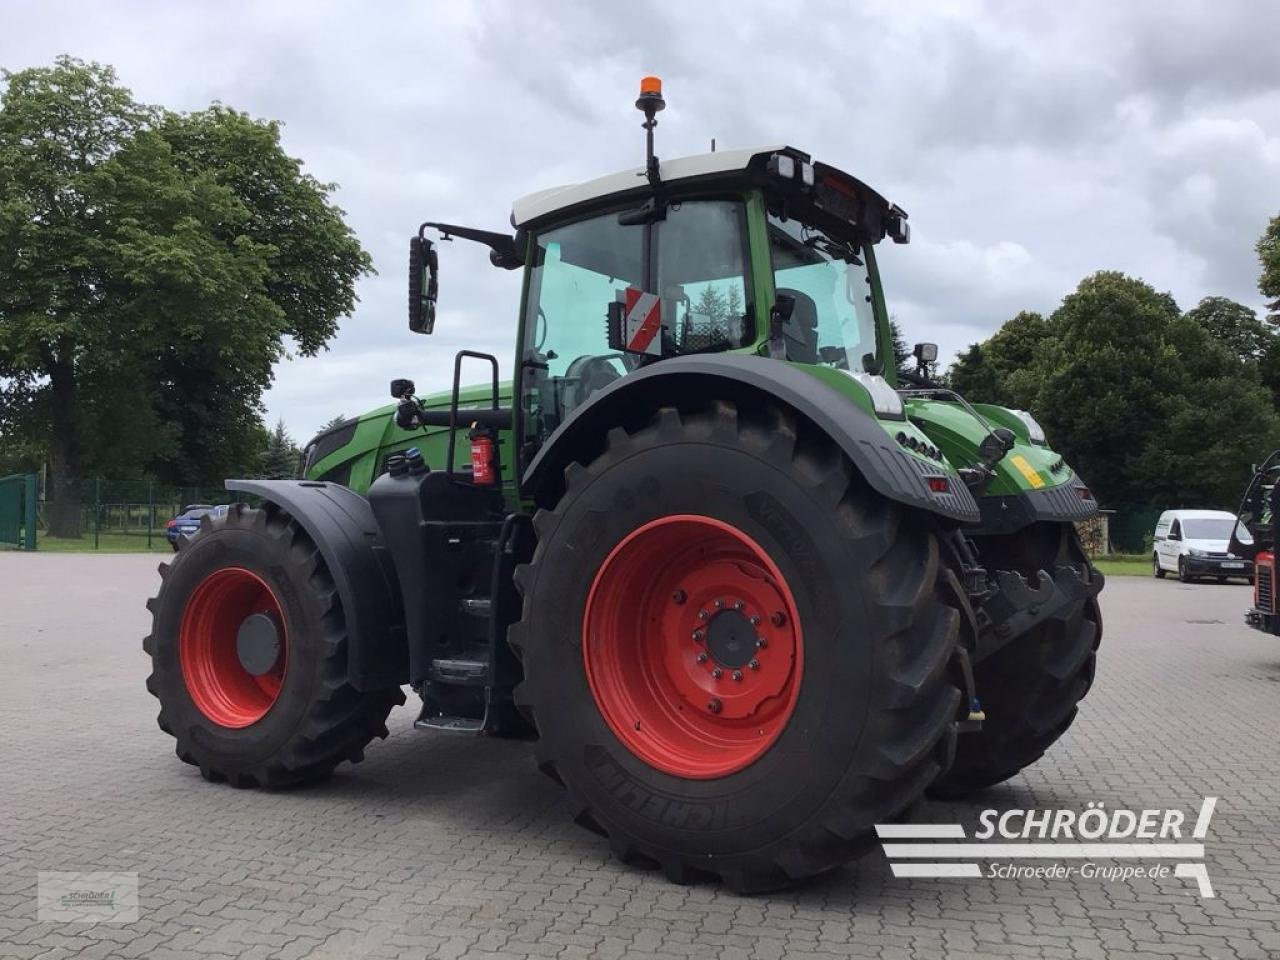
[[1096, 837], [87, 897]]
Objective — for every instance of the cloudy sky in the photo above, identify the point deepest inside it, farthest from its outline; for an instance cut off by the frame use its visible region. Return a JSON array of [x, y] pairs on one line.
[[1032, 144]]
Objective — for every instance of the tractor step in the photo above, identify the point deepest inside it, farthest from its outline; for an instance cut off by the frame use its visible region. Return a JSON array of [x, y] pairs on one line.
[[470, 673], [451, 724]]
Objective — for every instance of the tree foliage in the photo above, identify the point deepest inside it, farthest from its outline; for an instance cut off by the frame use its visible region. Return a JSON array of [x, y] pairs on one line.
[[152, 266], [1153, 406], [1269, 255], [280, 457]]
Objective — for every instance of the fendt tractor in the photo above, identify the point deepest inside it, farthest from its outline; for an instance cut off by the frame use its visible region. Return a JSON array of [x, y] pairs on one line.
[[1254, 538], [752, 593]]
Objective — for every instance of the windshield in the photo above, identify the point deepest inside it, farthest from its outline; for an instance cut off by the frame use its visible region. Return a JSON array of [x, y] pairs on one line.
[[833, 322], [1208, 529]]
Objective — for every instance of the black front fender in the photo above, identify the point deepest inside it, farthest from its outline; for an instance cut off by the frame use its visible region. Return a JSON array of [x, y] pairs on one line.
[[690, 382], [341, 524]]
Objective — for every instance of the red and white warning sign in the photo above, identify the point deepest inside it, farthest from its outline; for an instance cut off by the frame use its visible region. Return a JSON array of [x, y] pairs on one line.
[[642, 322]]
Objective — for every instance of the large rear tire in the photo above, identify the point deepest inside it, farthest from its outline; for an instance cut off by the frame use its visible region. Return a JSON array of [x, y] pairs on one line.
[[1030, 688], [647, 579], [248, 649]]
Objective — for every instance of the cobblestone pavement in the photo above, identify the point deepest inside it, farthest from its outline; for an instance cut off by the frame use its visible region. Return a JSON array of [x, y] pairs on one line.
[[457, 847]]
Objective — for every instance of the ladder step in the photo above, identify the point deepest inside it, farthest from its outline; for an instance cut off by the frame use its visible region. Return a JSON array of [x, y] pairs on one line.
[[476, 606], [470, 673], [451, 724]]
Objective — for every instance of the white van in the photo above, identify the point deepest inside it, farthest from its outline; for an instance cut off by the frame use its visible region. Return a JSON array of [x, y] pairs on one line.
[[1194, 544]]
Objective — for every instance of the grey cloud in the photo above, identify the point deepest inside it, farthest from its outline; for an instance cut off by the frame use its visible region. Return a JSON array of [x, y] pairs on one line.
[[1032, 144]]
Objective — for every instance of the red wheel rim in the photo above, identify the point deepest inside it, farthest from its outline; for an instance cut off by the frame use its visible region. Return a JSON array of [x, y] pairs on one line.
[[692, 645], [219, 685]]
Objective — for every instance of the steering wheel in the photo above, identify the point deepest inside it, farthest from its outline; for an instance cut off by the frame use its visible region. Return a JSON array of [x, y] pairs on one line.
[[587, 375]]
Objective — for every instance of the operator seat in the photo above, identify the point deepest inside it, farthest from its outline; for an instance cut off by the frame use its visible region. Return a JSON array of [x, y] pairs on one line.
[[800, 333]]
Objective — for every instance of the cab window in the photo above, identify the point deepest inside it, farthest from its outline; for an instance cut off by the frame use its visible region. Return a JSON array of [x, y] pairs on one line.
[[1175, 531], [694, 259], [833, 321]]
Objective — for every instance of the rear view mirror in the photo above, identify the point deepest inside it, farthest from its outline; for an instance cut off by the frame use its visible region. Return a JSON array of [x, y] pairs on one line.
[[423, 285]]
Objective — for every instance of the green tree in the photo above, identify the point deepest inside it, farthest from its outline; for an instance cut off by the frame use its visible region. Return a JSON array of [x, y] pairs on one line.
[[902, 353], [1269, 255], [337, 421], [151, 265], [281, 457], [1235, 326], [1003, 368], [1154, 407]]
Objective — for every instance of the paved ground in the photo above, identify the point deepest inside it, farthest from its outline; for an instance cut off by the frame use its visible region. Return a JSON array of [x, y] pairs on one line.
[[458, 848]]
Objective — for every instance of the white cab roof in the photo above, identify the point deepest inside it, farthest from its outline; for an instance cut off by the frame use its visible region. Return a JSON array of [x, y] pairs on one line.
[[539, 204]]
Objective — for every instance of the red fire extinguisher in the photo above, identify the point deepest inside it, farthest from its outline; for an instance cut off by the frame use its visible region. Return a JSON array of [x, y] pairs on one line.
[[484, 456]]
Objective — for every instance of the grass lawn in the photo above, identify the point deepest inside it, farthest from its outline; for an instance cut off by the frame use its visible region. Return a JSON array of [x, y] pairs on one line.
[[1124, 565], [107, 543]]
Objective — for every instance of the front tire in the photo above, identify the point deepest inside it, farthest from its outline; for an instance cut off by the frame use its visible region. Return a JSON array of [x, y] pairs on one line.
[[781, 773], [1030, 689], [1183, 575], [248, 649], [1156, 570]]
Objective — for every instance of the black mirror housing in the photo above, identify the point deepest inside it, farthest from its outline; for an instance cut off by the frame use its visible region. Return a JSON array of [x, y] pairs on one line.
[[424, 267], [401, 388]]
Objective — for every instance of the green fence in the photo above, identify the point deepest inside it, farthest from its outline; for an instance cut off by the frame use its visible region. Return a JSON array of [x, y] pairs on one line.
[[18, 512], [131, 515]]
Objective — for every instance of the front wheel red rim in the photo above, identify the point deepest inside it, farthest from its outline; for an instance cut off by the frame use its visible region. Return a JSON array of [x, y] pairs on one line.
[[693, 646], [217, 680]]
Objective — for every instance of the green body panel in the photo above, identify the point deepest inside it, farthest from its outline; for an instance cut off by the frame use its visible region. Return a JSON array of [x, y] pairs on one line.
[[377, 436], [958, 433]]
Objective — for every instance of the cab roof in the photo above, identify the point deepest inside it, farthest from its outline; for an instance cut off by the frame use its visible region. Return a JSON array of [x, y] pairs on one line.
[[534, 206]]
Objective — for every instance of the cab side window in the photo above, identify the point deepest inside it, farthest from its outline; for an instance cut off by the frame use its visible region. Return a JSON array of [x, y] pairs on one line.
[[1175, 531], [694, 260]]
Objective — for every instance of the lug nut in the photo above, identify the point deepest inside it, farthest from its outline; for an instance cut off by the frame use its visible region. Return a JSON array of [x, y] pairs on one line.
[[714, 706], [754, 664], [717, 673], [679, 597], [778, 618], [738, 604], [737, 675], [703, 615], [697, 635], [702, 658], [761, 643], [719, 604], [755, 621]]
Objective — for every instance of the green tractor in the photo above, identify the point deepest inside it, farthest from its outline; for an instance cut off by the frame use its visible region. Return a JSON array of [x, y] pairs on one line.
[[751, 594]]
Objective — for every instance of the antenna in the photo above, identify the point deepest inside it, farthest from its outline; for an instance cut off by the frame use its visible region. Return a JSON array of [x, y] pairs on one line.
[[650, 101]]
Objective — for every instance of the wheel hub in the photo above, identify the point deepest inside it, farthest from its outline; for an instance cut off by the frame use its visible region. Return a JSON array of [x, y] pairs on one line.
[[731, 639], [258, 643]]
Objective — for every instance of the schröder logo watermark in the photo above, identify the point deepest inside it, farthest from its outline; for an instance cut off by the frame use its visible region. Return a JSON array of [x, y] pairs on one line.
[[64, 897], [1105, 841]]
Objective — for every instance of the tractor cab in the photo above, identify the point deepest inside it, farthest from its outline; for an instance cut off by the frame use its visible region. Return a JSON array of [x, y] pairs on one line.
[[758, 251]]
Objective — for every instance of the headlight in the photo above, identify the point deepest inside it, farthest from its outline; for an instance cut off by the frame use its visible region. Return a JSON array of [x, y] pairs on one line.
[[1196, 553], [884, 398], [1034, 430]]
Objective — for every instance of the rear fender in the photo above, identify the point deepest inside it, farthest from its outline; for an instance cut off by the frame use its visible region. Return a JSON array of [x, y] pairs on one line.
[[690, 382], [341, 524]]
